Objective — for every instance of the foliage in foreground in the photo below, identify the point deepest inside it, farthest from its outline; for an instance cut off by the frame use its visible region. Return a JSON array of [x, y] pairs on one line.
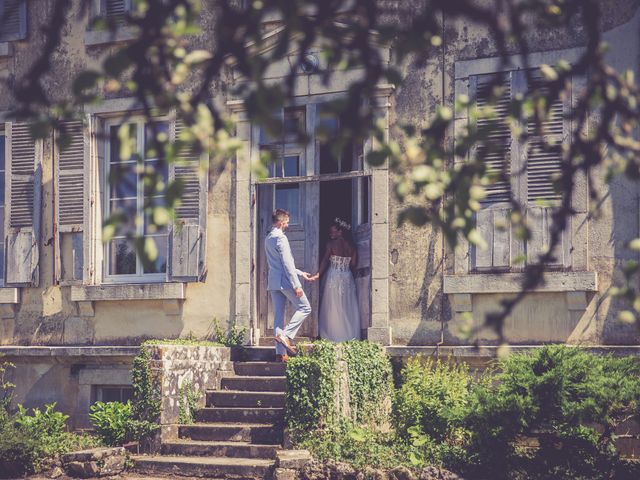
[[27, 440], [552, 413]]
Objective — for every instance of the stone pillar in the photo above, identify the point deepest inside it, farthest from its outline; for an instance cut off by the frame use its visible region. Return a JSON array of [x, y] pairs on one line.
[[242, 231], [380, 329]]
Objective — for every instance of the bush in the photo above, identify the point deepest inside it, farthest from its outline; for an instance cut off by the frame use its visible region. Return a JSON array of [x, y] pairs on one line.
[[146, 403], [27, 441], [311, 388], [113, 422], [370, 379], [233, 337], [570, 401]]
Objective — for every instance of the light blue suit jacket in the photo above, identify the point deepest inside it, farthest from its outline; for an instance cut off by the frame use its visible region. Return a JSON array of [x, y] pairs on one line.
[[283, 274]]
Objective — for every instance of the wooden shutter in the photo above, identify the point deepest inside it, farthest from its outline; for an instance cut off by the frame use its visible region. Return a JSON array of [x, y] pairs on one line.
[[495, 150], [70, 199], [115, 8], [23, 205], [188, 232], [13, 20], [543, 162]]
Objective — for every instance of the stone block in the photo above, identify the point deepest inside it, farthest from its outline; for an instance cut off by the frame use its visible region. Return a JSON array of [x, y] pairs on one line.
[[292, 458], [576, 301], [380, 295], [78, 330], [380, 335], [462, 302], [82, 469], [285, 474], [92, 454]]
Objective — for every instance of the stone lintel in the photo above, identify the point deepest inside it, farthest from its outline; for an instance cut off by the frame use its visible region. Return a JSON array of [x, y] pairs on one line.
[[172, 306], [85, 309]]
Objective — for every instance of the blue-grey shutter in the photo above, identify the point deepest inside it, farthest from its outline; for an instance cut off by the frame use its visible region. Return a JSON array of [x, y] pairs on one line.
[[70, 196], [543, 163], [23, 205], [188, 232], [13, 20], [495, 151]]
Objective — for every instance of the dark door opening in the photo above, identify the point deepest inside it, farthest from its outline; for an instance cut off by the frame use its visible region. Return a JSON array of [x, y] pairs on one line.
[[335, 201]]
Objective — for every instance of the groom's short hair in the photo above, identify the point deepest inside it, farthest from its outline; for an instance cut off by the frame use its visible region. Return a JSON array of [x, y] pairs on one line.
[[278, 215]]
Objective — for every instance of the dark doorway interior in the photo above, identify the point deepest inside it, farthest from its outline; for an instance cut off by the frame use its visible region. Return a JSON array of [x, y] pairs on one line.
[[335, 201]]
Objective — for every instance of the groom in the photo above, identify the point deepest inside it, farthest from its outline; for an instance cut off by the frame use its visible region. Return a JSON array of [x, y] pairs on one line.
[[283, 284]]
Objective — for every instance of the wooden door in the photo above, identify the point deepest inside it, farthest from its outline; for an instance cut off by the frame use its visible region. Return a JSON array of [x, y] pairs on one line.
[[298, 199]]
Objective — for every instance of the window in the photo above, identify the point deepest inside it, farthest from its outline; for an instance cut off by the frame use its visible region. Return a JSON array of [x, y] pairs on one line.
[[537, 163], [13, 20], [131, 199], [286, 154], [114, 9], [335, 158], [112, 393]]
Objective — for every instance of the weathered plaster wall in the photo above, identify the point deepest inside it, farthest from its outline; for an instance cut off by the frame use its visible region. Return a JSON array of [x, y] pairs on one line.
[[46, 314], [417, 305]]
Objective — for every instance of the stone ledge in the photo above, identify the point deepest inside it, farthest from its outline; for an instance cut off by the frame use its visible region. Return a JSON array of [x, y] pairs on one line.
[[90, 351], [142, 291], [479, 283], [9, 295], [102, 37], [492, 351]]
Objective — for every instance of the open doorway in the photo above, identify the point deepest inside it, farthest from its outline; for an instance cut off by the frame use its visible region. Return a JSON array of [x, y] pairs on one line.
[[349, 200]]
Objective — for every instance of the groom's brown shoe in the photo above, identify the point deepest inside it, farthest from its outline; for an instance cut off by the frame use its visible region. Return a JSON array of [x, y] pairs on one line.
[[286, 343], [282, 358]]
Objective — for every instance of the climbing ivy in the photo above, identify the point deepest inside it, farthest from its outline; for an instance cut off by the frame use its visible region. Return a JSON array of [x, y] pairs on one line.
[[311, 379], [147, 400], [188, 403], [370, 378]]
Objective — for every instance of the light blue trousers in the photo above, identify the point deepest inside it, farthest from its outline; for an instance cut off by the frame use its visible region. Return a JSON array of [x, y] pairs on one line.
[[303, 309]]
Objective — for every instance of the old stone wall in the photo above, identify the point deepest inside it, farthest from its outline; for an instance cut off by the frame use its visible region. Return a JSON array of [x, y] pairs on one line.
[[175, 366]]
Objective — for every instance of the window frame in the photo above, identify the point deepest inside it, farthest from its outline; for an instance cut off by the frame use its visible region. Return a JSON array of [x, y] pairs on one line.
[[139, 276], [3, 200], [22, 19]]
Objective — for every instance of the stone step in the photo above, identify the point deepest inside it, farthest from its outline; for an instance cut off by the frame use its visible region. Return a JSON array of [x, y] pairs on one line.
[[259, 433], [216, 467], [235, 398], [253, 354], [263, 369], [248, 415], [255, 383], [187, 447]]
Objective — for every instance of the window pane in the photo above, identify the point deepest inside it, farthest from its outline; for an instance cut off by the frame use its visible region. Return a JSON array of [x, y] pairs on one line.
[[156, 177], [291, 166], [161, 131], [287, 197], [149, 226], [132, 152], [111, 394], [123, 180], [2, 154], [127, 394], [123, 257], [126, 210], [160, 263]]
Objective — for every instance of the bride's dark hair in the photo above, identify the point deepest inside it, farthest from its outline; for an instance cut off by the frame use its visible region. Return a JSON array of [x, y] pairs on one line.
[[345, 228]]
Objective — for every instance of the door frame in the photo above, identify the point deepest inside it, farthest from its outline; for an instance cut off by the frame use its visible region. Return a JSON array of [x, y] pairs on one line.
[[245, 225]]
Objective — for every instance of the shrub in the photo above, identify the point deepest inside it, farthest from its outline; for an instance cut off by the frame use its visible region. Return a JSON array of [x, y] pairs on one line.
[[146, 403], [433, 397], [370, 379], [569, 400], [189, 398], [311, 388], [233, 337], [27, 441], [113, 422]]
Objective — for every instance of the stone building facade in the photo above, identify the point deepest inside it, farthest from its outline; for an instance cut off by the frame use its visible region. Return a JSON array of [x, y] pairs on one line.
[[73, 310]]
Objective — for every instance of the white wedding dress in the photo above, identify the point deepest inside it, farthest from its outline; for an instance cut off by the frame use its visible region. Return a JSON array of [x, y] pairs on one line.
[[339, 314]]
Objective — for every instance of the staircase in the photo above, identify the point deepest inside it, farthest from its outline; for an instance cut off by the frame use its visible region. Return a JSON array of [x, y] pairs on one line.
[[237, 434]]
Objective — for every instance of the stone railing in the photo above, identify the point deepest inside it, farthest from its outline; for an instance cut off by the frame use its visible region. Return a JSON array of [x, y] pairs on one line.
[[173, 365]]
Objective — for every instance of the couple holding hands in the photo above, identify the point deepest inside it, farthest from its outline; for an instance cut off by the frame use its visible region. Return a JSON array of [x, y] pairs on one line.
[[339, 318]]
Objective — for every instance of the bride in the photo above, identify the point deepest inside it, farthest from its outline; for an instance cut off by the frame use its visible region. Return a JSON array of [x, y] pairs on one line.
[[339, 315]]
